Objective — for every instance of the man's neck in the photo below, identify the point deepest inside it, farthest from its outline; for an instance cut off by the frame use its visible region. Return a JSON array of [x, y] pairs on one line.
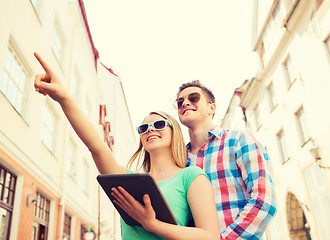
[[198, 136]]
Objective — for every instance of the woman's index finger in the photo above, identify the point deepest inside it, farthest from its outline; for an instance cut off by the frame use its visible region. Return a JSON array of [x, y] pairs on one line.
[[42, 63], [125, 193]]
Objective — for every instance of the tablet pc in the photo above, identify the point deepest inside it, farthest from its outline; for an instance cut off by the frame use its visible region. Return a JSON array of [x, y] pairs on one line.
[[137, 185]]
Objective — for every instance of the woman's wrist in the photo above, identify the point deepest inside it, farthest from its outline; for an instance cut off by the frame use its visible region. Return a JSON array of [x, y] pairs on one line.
[[66, 99], [151, 225]]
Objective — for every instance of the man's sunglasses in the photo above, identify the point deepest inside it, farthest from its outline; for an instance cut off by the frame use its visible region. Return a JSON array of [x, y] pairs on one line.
[[192, 97], [157, 125]]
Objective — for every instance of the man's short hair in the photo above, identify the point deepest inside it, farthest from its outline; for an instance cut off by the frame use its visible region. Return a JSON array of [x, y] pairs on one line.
[[197, 83]]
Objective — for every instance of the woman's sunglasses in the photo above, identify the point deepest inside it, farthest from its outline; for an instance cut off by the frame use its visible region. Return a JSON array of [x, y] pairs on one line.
[[157, 125], [192, 97]]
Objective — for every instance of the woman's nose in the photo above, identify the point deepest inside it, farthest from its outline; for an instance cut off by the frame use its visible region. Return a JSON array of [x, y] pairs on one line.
[[151, 128]]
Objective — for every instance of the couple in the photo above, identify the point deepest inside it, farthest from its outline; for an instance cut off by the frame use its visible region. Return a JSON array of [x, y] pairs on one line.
[[232, 198]]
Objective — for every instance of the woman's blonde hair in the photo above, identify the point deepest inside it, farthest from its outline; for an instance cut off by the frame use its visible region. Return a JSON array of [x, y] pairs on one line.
[[177, 144]]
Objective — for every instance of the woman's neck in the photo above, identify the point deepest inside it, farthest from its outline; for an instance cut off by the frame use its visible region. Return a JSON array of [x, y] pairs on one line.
[[162, 165]]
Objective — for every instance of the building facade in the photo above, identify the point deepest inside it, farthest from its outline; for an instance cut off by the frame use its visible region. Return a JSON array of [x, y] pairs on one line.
[[48, 187], [287, 107], [119, 134]]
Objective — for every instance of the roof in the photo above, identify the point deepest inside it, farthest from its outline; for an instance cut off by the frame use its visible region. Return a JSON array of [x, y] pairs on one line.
[[84, 16]]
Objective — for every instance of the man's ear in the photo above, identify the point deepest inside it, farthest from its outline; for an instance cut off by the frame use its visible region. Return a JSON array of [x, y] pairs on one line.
[[213, 107]]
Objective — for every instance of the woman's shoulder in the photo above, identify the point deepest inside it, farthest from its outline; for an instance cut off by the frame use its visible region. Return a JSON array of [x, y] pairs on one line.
[[193, 170], [190, 173]]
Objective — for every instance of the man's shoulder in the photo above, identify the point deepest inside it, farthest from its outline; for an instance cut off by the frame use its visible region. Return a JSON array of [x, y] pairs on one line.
[[230, 133], [233, 138]]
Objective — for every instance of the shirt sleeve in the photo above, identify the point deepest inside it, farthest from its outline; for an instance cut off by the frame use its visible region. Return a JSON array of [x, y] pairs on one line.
[[253, 161], [191, 173]]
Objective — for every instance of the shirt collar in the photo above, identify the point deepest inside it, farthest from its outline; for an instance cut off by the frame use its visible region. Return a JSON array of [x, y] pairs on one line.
[[215, 131]]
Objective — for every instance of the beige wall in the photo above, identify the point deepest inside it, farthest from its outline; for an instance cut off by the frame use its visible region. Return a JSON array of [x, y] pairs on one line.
[[299, 179], [26, 29], [124, 139]]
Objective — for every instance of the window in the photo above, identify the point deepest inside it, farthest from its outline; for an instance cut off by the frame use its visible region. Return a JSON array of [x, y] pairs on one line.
[[289, 71], [283, 146], [48, 128], [262, 55], [84, 176], [75, 85], [268, 46], [257, 116], [87, 109], [37, 5], [320, 199], [278, 13], [57, 43], [83, 229], [41, 217], [273, 32], [7, 194], [13, 80], [70, 157], [272, 96], [67, 226], [42, 208], [327, 43], [302, 126]]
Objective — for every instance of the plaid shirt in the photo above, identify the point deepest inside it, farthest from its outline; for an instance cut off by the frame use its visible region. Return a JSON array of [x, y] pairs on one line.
[[237, 166]]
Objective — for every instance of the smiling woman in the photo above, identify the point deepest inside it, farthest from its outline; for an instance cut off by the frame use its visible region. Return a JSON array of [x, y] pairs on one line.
[[177, 147]]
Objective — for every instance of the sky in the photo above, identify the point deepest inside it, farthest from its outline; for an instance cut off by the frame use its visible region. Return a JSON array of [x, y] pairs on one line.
[[154, 46]]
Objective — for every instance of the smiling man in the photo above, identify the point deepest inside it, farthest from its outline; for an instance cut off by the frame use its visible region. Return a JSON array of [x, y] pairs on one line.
[[236, 164]]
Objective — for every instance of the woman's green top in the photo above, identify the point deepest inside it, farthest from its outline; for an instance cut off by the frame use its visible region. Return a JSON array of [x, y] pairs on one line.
[[174, 191]]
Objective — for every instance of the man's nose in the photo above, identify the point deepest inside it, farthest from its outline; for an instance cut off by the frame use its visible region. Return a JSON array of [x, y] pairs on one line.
[[186, 102]]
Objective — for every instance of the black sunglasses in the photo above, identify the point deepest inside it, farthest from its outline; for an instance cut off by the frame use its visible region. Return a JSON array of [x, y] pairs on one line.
[[157, 125], [192, 97]]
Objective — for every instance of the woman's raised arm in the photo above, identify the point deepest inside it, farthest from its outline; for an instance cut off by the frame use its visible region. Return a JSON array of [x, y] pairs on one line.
[[49, 84]]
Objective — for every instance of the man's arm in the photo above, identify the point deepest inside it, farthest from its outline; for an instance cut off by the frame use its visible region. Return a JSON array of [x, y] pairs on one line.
[[261, 205]]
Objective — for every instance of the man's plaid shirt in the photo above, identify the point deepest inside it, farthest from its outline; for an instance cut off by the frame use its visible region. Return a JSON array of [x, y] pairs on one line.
[[238, 168]]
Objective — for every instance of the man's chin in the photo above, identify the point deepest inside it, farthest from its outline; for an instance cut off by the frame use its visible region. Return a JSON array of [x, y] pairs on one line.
[[187, 121]]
